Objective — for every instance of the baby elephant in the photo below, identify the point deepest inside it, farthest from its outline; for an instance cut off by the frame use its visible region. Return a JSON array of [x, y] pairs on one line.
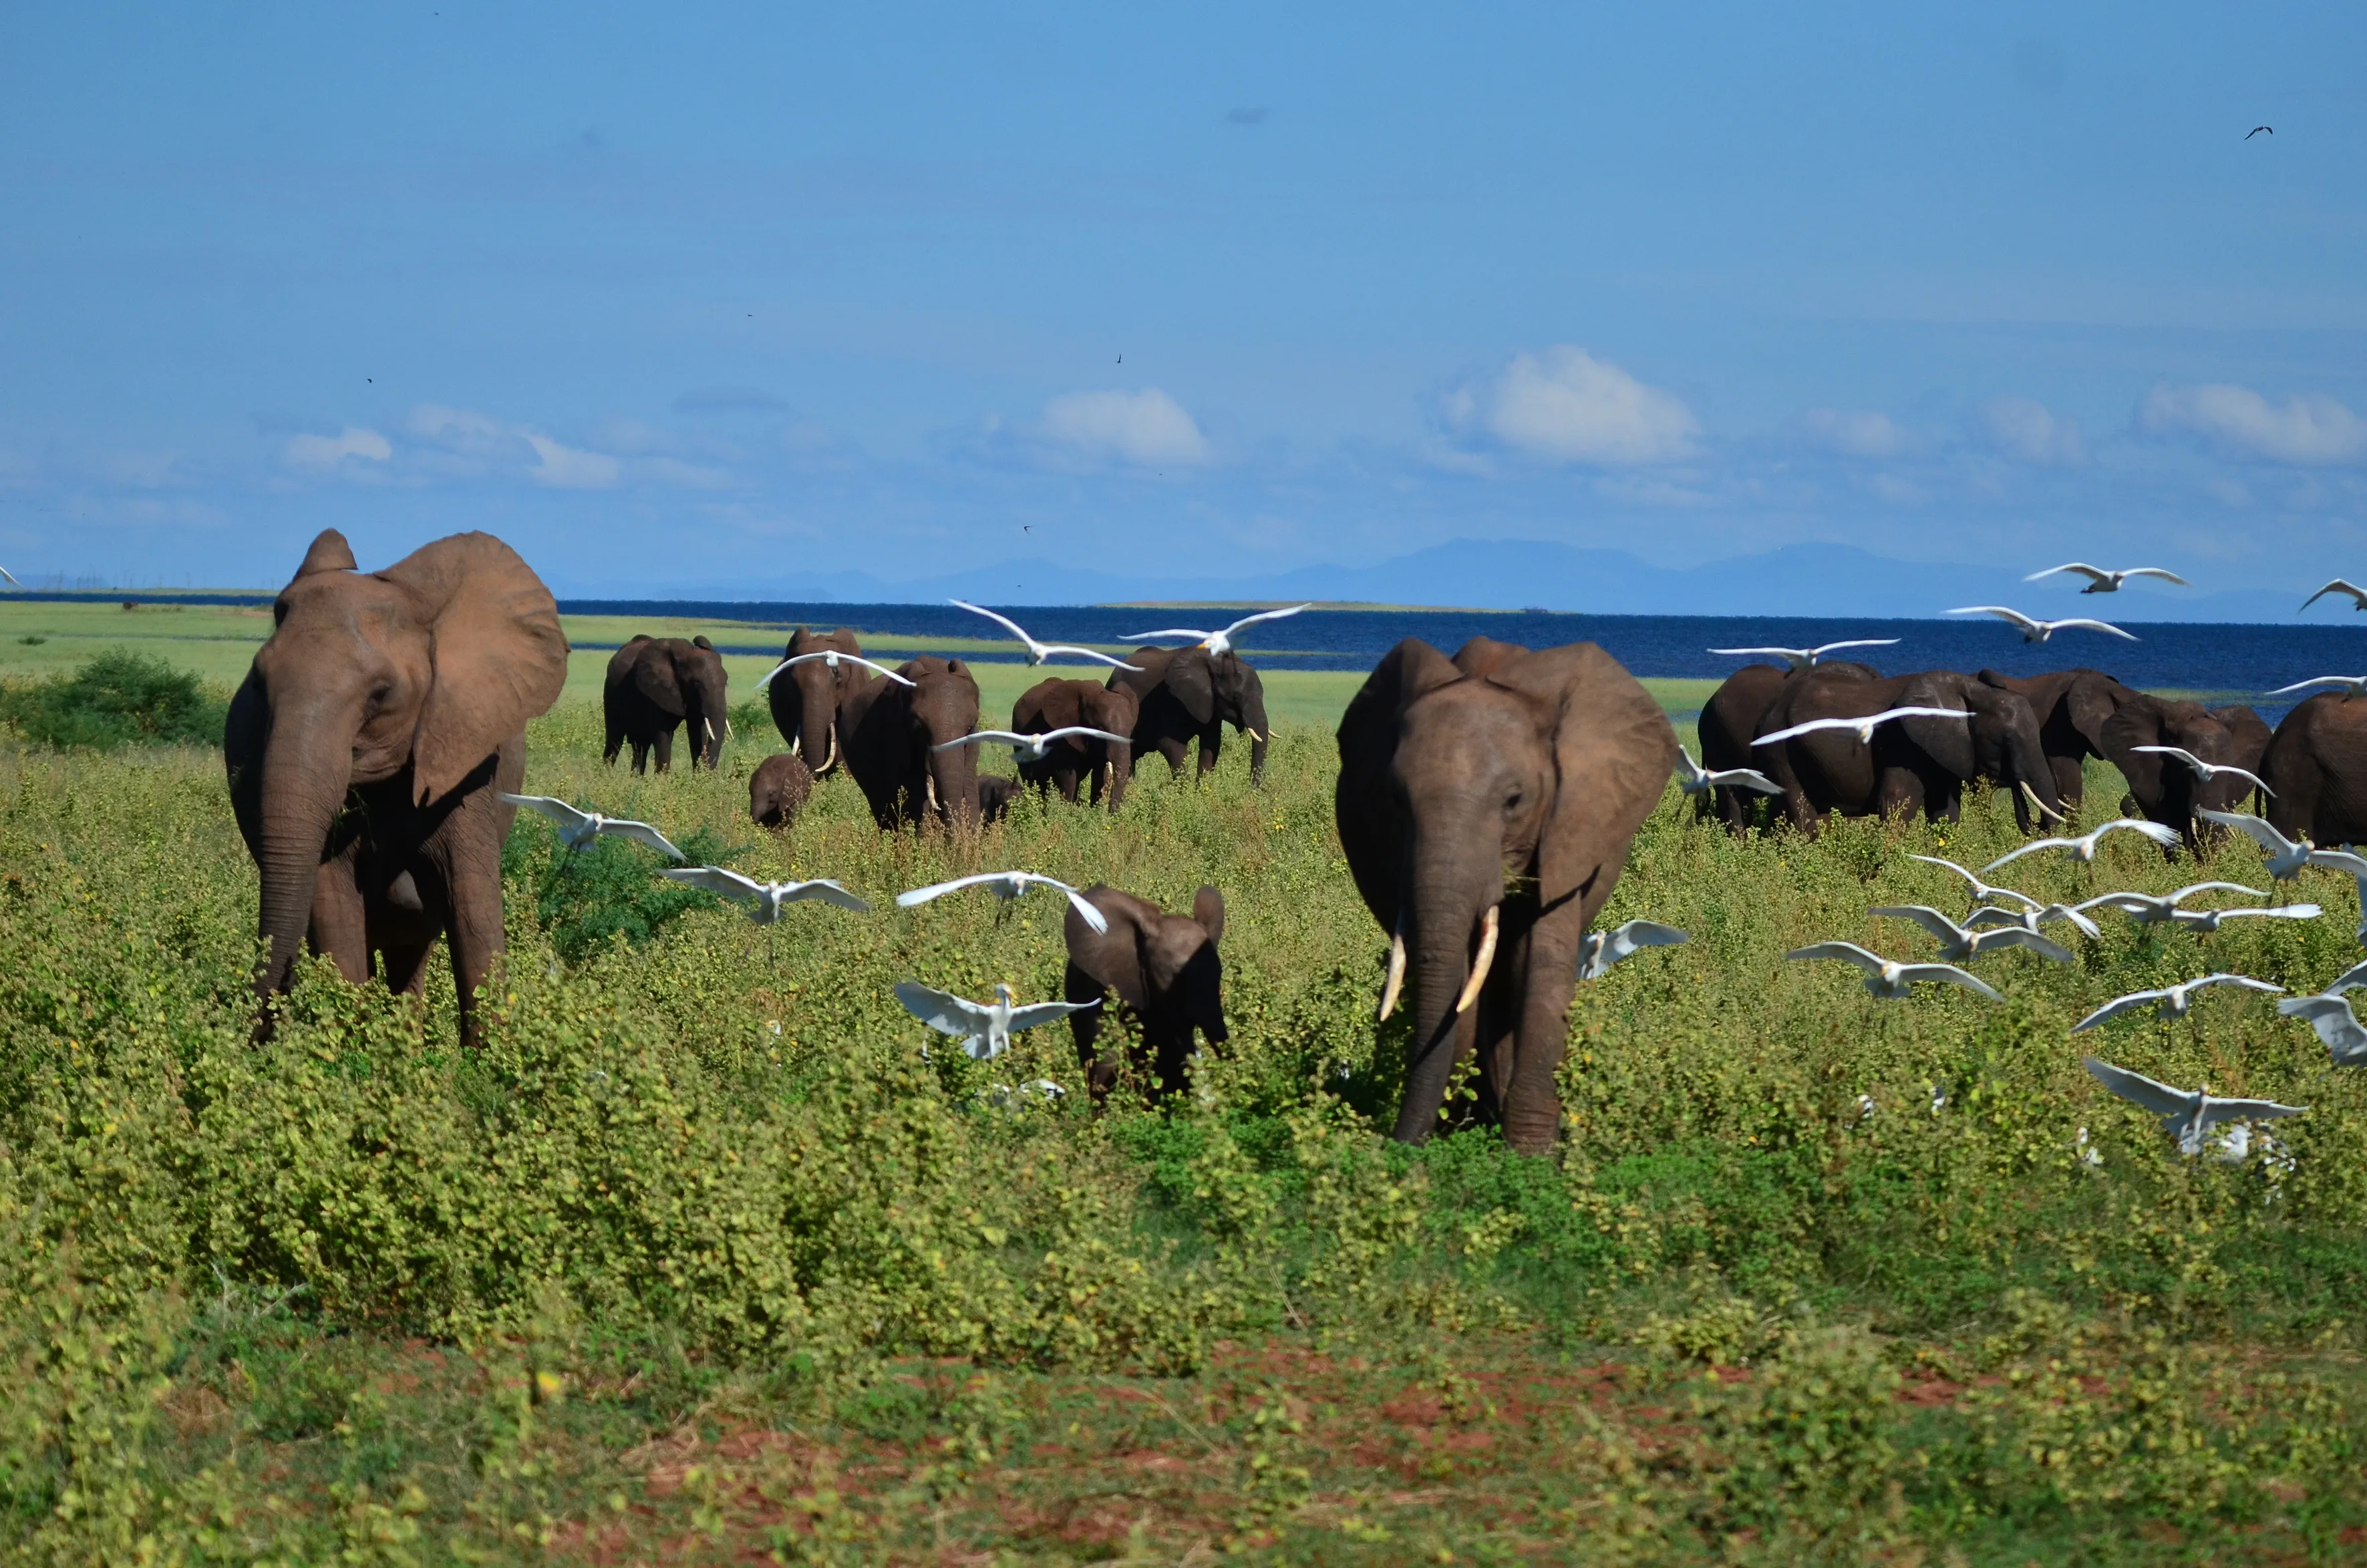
[[1163, 969], [995, 793], [777, 790]]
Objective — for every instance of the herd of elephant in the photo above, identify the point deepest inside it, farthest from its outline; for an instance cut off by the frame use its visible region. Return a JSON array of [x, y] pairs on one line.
[[1485, 803]]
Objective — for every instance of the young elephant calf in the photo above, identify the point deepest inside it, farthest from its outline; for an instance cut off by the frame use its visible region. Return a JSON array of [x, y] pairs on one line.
[[778, 789], [1163, 968]]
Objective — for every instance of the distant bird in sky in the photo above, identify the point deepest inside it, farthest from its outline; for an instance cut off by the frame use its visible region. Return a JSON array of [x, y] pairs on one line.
[[1598, 951], [1807, 658], [2035, 630], [2258, 128], [2186, 1116], [2207, 771], [2152, 908], [1219, 641], [2083, 848], [2101, 581], [2286, 857], [1982, 892], [1960, 942], [2329, 1014], [2357, 595], [1696, 780], [831, 659], [1006, 886], [984, 1029], [2352, 684], [1037, 651], [2209, 919], [1862, 728], [11, 576], [765, 900], [1030, 748], [577, 829], [2171, 1001], [1890, 980]]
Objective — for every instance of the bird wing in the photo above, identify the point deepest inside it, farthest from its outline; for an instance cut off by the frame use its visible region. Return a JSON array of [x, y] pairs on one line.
[[2116, 1006], [1848, 952], [2314, 680], [1795, 657], [2078, 922], [941, 1010], [1888, 714], [1988, 918], [1822, 649], [2015, 616], [2032, 848], [1639, 934], [1171, 631], [643, 832], [2022, 936], [1002, 620], [2094, 626], [938, 890], [2079, 566], [2185, 757], [1081, 730], [1948, 974], [2276, 911], [2158, 832], [2246, 981], [1035, 1013], [2127, 902], [2337, 859], [826, 891], [1809, 728], [980, 737], [2137, 1089], [1744, 778], [2255, 828], [2350, 979], [2166, 575], [1048, 649], [716, 879], [1923, 914], [2337, 587], [876, 668], [1692, 772], [1264, 615], [557, 811], [766, 678], [2216, 1109], [1081, 904], [2184, 893], [11, 576]]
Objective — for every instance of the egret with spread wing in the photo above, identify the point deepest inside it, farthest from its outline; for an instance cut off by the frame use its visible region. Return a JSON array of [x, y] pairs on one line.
[[577, 828], [1598, 951], [2204, 772], [1960, 942], [984, 1029], [2172, 1001], [1807, 658], [2083, 848], [2152, 908], [2353, 866], [1982, 892], [2329, 1014], [2352, 686], [1219, 641], [1006, 886], [830, 659], [1890, 980], [1987, 916], [2035, 630], [2209, 919], [765, 900], [2101, 581], [1696, 780], [1030, 748], [2186, 1116], [1862, 728], [2286, 856], [2357, 595], [1037, 653]]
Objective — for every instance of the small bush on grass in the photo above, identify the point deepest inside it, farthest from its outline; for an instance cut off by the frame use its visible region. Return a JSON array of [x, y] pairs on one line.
[[119, 699]]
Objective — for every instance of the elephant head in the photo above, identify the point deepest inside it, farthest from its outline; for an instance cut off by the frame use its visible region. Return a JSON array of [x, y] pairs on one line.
[[777, 790], [2072, 707], [890, 734], [2001, 742], [420, 671], [1056, 703], [1486, 819], [1211, 689], [805, 700], [2164, 788], [1163, 967]]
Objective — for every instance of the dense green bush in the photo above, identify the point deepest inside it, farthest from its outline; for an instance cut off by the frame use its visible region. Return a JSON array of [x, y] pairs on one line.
[[117, 699]]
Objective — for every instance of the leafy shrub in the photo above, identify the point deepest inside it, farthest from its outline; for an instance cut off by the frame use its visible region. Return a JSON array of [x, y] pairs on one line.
[[586, 897], [117, 698]]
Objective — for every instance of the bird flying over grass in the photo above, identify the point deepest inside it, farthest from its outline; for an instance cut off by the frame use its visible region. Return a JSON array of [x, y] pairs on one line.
[[2207, 771], [1598, 951], [1890, 980], [2171, 1001], [2186, 1116], [1696, 780], [1037, 653], [766, 901], [2286, 857], [577, 828], [1219, 641], [1807, 658], [1030, 748], [1862, 728], [1006, 886], [2338, 1027], [984, 1029], [2083, 848], [1960, 942]]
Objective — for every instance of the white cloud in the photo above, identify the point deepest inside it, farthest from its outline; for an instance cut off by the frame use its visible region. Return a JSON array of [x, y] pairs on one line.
[[1854, 433], [571, 468], [1565, 405], [326, 452], [2240, 423], [1147, 428], [457, 428], [2026, 432]]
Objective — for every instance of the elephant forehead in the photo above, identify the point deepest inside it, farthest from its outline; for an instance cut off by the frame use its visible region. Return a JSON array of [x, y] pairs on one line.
[[1473, 713]]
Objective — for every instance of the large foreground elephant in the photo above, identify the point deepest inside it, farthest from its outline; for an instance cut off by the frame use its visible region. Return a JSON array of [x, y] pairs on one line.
[[1188, 694], [367, 743], [657, 685], [1914, 765], [1059, 704], [805, 700], [1486, 818], [888, 735], [2317, 765], [1729, 721]]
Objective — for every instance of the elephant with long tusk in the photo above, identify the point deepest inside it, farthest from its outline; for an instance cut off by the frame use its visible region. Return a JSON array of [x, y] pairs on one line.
[[892, 730], [805, 700], [1486, 804], [1186, 697]]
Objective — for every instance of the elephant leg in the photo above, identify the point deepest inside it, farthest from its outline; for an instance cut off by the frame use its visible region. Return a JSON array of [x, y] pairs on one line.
[[1171, 1053], [1173, 749], [1541, 985], [640, 754], [1085, 1027], [1899, 793], [472, 912], [405, 965], [1065, 779], [340, 927], [1212, 746], [664, 746]]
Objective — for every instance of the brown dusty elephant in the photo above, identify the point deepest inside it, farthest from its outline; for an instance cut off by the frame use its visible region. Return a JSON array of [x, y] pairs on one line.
[[656, 685], [805, 700], [366, 747], [1188, 694], [1486, 819], [1163, 967], [778, 789], [1914, 765], [2317, 763], [1057, 704], [889, 734], [1729, 721]]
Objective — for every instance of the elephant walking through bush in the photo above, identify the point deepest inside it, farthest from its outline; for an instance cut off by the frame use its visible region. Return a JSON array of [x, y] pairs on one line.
[[1188, 695], [889, 734], [2084, 713], [805, 700], [1163, 968], [1729, 721], [1486, 819], [657, 685], [1914, 765], [366, 747], [1103, 766]]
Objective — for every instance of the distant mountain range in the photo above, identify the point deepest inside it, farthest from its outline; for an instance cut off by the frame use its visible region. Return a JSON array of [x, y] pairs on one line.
[[1817, 580]]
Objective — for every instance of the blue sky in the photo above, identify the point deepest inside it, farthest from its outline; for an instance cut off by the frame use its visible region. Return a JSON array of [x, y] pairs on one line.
[[669, 293]]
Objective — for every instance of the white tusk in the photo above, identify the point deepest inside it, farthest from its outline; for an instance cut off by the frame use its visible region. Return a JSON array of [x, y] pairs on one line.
[[1480, 964], [1396, 981], [830, 759], [709, 726], [932, 781], [2041, 805]]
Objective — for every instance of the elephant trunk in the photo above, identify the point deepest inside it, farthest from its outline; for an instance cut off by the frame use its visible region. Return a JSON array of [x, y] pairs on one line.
[[818, 721], [303, 786], [1261, 731], [1450, 935], [950, 783]]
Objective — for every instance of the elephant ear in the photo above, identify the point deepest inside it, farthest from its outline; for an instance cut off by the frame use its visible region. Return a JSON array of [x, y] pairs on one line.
[[2137, 721], [500, 657], [1483, 655], [1363, 804], [1613, 750], [1192, 676], [1208, 910], [330, 552], [1949, 742], [2091, 702], [1114, 957], [657, 676], [700, 642]]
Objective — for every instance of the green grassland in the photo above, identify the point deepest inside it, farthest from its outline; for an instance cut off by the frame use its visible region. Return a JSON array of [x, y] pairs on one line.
[[701, 1258]]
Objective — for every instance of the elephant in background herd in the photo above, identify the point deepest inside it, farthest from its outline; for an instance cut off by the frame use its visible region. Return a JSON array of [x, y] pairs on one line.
[[656, 685], [366, 748], [805, 702], [1189, 693], [1059, 704], [889, 734], [2317, 763]]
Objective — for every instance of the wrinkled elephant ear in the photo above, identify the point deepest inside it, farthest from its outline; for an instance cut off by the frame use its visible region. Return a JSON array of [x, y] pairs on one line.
[[1114, 957], [1948, 742], [1362, 802], [1613, 750], [500, 657], [1192, 676], [2138, 721], [2091, 702]]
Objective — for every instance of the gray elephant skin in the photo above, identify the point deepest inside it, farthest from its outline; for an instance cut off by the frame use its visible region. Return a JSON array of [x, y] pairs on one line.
[[1728, 722], [2084, 713], [1188, 695], [365, 748], [805, 700], [1162, 967], [2317, 765], [1914, 765], [778, 790], [888, 735], [1103, 767], [657, 684], [1494, 795]]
